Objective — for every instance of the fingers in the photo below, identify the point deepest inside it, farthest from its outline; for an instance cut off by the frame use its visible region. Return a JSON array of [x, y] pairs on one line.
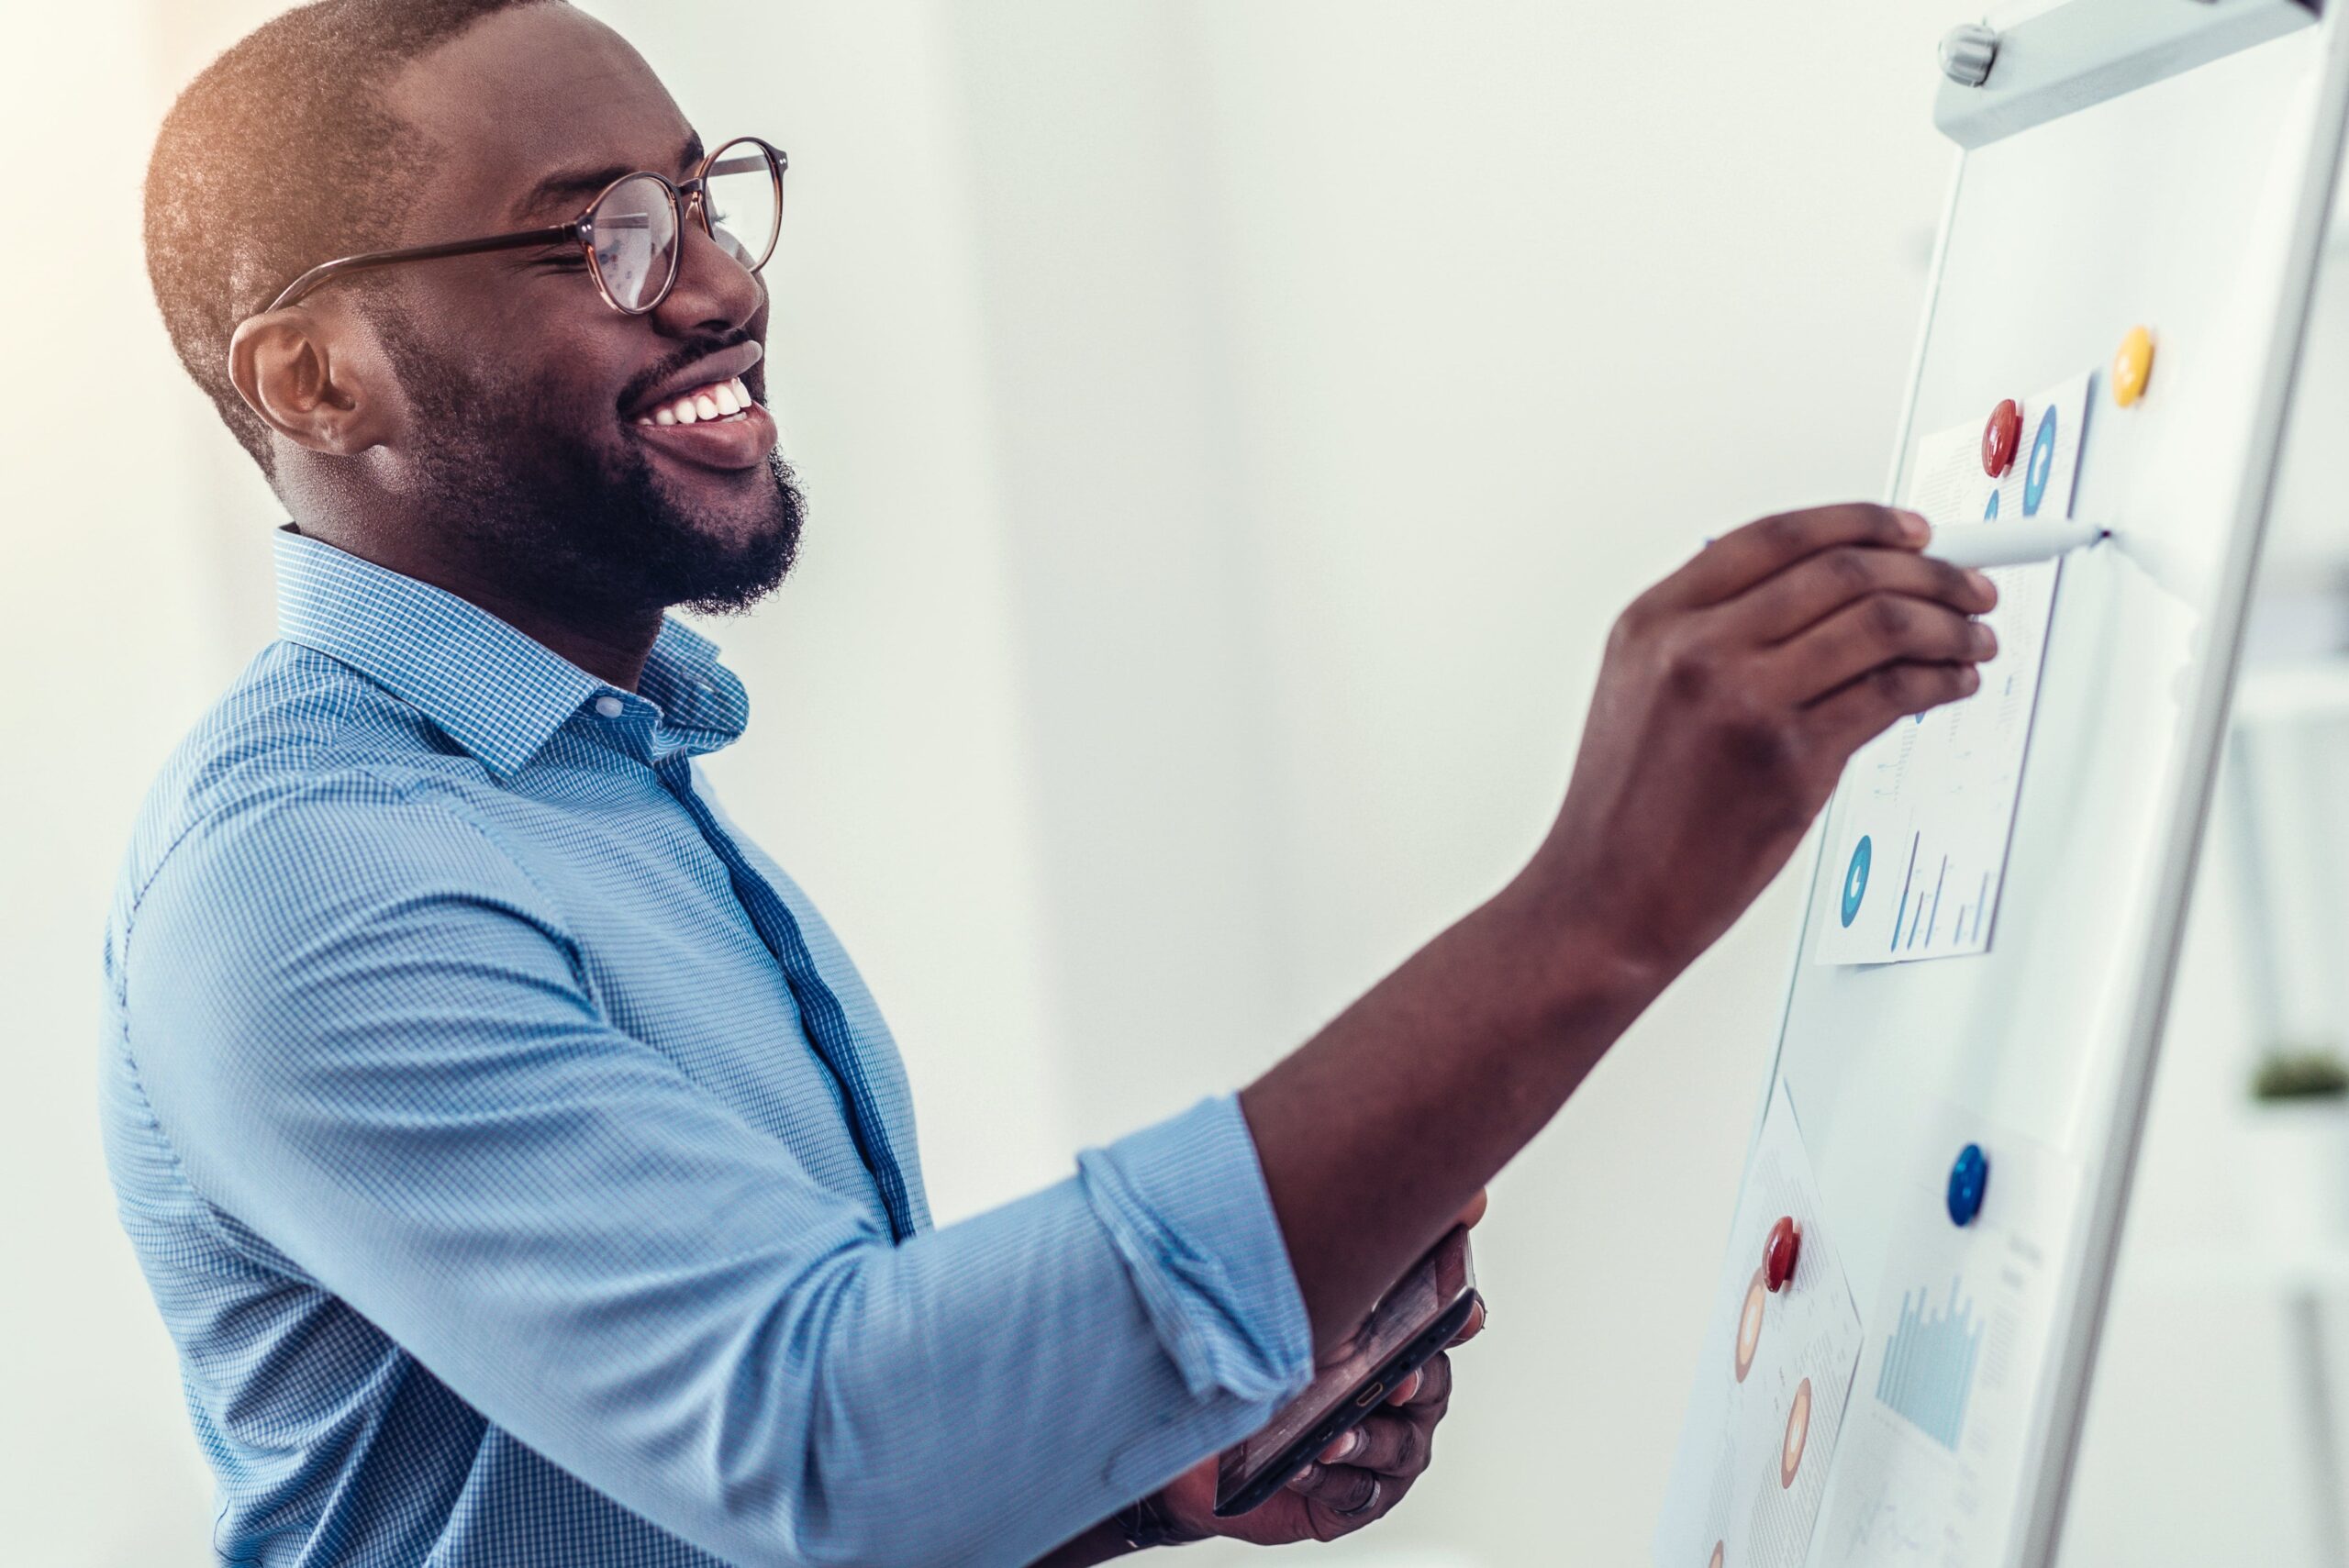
[[1737, 560], [1473, 1212], [1435, 1376], [1847, 720], [1386, 1445], [1342, 1489], [1428, 1389], [1814, 588], [1395, 1440], [1429, 1386], [1367, 1471], [1473, 1327], [1880, 630]]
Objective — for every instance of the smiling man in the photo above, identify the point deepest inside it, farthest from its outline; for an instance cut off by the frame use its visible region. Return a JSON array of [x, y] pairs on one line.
[[520, 1166]]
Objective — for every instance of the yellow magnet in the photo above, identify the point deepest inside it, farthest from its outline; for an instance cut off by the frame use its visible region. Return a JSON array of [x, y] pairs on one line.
[[2132, 366]]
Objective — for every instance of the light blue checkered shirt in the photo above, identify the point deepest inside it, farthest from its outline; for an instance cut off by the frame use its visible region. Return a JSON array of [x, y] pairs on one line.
[[528, 1179]]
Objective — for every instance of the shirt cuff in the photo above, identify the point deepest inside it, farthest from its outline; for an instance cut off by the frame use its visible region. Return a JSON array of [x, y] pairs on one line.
[[1184, 1202]]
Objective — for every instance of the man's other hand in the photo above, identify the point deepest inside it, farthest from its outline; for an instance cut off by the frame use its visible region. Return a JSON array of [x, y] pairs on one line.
[[1732, 694], [1357, 1479]]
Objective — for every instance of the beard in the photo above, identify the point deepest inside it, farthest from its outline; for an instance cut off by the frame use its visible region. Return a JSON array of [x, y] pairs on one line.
[[578, 527]]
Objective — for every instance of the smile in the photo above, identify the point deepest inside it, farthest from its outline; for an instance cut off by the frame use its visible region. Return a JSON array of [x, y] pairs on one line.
[[717, 424], [727, 399]]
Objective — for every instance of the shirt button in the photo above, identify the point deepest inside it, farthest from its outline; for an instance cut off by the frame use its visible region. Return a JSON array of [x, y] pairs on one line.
[[608, 706]]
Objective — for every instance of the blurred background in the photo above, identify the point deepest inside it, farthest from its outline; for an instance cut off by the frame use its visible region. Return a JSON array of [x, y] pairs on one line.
[[1229, 428]]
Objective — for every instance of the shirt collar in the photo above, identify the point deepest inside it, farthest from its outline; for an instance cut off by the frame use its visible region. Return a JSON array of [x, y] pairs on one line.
[[495, 691]]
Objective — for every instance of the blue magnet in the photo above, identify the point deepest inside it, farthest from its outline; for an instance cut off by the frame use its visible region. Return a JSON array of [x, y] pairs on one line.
[[1991, 510], [1968, 1180]]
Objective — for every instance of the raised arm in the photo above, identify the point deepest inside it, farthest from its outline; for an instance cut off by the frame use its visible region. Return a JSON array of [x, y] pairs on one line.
[[381, 1061], [1731, 695]]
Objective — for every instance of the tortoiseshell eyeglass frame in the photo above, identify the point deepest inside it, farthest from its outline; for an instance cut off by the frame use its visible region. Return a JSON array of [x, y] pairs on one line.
[[741, 155]]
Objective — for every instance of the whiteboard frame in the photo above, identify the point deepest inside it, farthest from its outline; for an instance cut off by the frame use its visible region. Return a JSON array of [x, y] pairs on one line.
[[2082, 53], [2111, 1176], [2109, 1171]]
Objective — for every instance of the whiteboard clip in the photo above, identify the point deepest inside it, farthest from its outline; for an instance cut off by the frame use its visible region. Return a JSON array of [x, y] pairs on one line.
[[1968, 50], [2078, 53]]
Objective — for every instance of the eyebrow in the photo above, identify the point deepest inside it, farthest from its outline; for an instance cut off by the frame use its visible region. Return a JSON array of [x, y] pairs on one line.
[[578, 185]]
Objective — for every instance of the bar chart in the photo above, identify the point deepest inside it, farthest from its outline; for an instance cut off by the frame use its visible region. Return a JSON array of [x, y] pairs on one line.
[[1928, 1371], [1927, 1474]]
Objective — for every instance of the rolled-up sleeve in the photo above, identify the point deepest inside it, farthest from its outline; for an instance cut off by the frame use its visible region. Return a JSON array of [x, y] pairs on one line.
[[382, 1054], [1185, 1204]]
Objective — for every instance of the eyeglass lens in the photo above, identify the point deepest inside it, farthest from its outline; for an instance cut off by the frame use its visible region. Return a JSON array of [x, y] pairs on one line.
[[740, 202], [635, 242]]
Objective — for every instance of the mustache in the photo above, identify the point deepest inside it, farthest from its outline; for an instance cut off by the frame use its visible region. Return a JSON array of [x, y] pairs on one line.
[[644, 384]]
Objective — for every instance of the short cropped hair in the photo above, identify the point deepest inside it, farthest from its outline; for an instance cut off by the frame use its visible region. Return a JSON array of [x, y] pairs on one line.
[[280, 155]]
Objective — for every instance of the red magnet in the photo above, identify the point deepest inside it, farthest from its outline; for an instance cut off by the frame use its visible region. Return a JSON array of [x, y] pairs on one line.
[[1778, 1253], [2001, 437]]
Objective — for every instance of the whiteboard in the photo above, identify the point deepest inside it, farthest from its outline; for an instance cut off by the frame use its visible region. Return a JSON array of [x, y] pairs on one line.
[[2192, 204]]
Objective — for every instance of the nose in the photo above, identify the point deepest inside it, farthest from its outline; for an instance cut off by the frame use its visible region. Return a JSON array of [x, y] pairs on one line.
[[713, 292]]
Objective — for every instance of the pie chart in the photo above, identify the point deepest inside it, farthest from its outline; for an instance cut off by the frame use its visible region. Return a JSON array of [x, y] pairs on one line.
[[2042, 459], [1856, 879], [1797, 1436], [1749, 1323]]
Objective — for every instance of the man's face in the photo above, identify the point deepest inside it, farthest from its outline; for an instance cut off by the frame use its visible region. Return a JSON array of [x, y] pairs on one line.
[[530, 446]]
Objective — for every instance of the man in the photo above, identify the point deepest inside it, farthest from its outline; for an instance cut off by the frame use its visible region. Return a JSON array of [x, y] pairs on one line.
[[521, 1168]]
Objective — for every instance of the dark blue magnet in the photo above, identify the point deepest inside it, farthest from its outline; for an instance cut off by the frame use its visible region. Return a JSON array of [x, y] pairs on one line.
[[1968, 1180]]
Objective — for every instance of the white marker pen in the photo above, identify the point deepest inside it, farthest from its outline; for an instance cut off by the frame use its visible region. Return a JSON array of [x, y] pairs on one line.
[[2017, 544]]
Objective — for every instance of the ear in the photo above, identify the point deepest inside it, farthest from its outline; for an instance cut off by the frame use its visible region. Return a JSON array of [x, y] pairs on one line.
[[318, 378]]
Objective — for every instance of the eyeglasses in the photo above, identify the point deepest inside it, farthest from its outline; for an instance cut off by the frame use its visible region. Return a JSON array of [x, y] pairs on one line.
[[631, 232]]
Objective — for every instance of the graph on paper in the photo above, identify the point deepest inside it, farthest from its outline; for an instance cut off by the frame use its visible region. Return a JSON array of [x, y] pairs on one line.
[[1775, 1379], [1927, 1475], [1928, 1364], [1926, 809]]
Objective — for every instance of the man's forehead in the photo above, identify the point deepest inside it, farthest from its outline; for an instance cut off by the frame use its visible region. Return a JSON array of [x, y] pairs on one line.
[[527, 93]]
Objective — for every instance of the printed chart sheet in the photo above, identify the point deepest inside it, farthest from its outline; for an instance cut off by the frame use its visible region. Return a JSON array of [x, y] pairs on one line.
[[1774, 1381], [1932, 1452], [1930, 805]]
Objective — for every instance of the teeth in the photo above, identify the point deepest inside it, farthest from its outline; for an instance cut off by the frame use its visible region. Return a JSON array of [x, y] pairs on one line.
[[719, 400]]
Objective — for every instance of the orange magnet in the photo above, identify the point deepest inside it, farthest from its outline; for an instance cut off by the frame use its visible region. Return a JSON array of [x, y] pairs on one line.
[[2132, 366], [1778, 1253], [2001, 437]]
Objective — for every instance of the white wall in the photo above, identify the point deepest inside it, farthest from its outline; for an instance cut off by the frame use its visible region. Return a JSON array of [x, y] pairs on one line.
[[1230, 429], [1357, 360], [115, 629]]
